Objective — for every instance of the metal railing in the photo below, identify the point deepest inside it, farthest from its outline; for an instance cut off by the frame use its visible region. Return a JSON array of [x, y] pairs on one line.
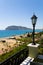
[[17, 58]]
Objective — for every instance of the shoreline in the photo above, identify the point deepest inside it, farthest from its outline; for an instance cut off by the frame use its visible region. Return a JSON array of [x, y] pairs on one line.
[[8, 43], [4, 34]]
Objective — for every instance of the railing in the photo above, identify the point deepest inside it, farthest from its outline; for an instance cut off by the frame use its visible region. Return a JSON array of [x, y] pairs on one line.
[[17, 58]]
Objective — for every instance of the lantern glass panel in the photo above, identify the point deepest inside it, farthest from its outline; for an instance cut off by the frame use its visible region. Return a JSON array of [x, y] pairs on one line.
[[34, 21]]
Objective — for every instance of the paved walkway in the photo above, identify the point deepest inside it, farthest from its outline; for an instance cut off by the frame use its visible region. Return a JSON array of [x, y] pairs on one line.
[[40, 56], [27, 61]]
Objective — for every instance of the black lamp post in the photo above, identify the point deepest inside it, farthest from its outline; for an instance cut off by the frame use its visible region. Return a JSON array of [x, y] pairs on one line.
[[34, 19]]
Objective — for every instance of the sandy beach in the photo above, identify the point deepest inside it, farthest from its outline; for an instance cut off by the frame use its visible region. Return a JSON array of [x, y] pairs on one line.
[[8, 43]]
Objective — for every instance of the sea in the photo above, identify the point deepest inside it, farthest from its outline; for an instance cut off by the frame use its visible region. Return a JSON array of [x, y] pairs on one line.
[[7, 33]]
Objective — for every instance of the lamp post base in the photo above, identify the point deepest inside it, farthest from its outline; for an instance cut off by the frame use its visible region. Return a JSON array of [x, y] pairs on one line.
[[33, 43], [33, 50]]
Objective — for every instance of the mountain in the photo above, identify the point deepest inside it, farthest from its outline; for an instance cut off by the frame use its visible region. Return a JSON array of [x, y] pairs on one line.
[[17, 28]]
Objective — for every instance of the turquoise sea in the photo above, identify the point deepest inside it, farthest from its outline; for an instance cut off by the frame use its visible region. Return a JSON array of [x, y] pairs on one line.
[[7, 33]]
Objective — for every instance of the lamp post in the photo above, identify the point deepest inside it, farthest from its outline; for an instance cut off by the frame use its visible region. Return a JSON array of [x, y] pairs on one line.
[[34, 19], [33, 47]]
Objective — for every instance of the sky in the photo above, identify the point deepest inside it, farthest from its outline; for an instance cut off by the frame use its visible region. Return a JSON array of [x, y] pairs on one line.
[[19, 13]]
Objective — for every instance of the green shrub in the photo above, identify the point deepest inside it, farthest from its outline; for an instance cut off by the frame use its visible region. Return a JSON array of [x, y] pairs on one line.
[[41, 50]]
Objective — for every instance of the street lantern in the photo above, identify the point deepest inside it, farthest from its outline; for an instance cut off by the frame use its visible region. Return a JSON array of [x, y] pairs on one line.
[[34, 19]]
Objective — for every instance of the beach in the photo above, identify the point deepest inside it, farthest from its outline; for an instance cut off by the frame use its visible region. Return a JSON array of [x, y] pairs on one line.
[[9, 43]]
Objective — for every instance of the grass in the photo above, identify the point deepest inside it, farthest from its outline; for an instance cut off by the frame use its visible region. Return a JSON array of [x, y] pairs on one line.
[[39, 41], [15, 50], [26, 40]]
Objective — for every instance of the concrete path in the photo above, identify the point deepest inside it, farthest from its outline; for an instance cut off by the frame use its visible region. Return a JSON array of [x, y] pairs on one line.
[[27, 61]]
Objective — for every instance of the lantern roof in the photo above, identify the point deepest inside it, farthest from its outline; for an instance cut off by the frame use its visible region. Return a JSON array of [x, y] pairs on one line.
[[34, 17]]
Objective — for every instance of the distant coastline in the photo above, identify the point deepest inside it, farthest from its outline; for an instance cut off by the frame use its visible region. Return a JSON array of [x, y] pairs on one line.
[[17, 28]]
